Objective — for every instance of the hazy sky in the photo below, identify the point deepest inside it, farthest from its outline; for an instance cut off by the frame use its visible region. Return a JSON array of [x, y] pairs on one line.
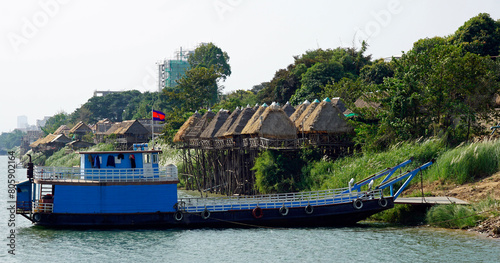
[[55, 53]]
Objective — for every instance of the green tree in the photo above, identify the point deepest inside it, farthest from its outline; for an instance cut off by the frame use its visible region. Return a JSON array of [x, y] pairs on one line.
[[278, 172], [111, 106], [436, 85], [376, 72], [197, 89], [238, 98], [479, 35], [210, 55], [55, 122], [9, 140], [315, 78]]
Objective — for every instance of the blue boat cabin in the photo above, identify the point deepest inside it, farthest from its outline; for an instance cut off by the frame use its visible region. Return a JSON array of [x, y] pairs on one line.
[[105, 182]]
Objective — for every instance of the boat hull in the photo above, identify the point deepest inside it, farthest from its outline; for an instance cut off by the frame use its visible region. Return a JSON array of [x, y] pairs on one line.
[[322, 215]]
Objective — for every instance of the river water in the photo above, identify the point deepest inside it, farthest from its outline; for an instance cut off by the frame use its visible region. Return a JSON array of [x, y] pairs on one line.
[[365, 242]]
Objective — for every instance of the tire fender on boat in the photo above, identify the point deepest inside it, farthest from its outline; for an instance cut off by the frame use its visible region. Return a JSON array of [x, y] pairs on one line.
[[283, 210], [382, 202], [309, 209], [178, 216], [205, 214], [257, 212], [37, 217], [358, 204]]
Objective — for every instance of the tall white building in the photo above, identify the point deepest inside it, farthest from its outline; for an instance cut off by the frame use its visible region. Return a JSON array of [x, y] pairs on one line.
[[22, 122]]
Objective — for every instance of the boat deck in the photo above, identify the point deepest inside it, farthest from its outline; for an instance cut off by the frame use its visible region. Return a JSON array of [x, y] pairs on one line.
[[437, 200], [290, 200]]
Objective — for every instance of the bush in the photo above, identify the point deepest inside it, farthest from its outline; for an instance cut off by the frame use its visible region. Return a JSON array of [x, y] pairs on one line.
[[453, 216], [279, 172]]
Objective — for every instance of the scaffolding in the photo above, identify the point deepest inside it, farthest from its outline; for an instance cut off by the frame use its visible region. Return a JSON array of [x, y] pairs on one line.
[[171, 70]]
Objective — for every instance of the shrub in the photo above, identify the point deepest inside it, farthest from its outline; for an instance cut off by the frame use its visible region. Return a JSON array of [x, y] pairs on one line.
[[453, 216]]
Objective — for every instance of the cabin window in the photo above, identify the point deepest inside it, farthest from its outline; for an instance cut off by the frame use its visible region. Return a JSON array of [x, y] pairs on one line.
[[147, 158], [155, 158]]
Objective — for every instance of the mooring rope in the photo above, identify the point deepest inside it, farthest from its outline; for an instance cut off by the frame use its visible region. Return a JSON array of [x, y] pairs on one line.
[[233, 222]]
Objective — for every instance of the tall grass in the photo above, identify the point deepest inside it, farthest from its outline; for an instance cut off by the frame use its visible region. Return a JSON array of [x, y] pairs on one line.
[[324, 175], [467, 163], [462, 216]]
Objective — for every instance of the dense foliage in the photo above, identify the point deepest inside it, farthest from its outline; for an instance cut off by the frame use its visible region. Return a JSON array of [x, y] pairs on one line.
[[8, 140]]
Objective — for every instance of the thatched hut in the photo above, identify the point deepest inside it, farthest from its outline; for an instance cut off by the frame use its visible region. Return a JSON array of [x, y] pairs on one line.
[[63, 129], [187, 127], [200, 126], [326, 118], [254, 118], [273, 124], [240, 122], [215, 124], [298, 111], [305, 114], [340, 104], [227, 124], [288, 109]]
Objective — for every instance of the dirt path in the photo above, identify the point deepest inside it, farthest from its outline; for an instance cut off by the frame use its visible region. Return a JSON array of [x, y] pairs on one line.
[[471, 192]]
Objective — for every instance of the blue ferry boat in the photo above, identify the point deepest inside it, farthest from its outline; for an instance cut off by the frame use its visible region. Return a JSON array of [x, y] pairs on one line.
[[130, 189]]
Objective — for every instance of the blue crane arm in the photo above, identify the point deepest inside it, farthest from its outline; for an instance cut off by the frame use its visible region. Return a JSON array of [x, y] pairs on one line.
[[388, 172], [408, 176]]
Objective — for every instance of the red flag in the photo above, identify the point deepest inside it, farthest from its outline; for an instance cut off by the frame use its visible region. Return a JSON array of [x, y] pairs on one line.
[[158, 115]]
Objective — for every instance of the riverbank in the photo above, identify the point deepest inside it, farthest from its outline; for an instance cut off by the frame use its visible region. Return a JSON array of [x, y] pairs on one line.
[[474, 193]]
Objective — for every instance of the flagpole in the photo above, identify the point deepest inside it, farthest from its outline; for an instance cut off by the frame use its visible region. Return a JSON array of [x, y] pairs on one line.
[[152, 129]]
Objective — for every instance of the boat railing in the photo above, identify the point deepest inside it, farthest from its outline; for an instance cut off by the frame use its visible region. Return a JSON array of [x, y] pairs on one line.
[[76, 174], [290, 200], [41, 207]]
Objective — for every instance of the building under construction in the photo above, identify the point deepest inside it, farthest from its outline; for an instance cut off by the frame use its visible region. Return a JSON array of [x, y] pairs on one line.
[[171, 70], [220, 149]]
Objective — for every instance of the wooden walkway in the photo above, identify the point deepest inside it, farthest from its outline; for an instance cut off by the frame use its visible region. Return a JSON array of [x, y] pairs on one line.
[[438, 200]]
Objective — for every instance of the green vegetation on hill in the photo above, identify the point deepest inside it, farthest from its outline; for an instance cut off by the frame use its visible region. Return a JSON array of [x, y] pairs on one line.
[[9, 140]]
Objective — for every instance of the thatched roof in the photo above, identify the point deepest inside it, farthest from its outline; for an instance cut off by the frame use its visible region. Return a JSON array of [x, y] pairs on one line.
[[227, 124], [340, 104], [240, 122], [305, 114], [186, 127], [299, 110], [102, 126], [273, 123], [214, 125], [254, 118], [369, 100], [51, 138], [127, 127], [288, 109], [201, 125], [80, 128], [326, 118], [63, 129]]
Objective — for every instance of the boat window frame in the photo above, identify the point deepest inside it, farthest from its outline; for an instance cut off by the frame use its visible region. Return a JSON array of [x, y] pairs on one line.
[[147, 158]]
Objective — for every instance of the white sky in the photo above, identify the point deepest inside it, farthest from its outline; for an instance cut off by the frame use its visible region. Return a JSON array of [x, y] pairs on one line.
[[55, 53]]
